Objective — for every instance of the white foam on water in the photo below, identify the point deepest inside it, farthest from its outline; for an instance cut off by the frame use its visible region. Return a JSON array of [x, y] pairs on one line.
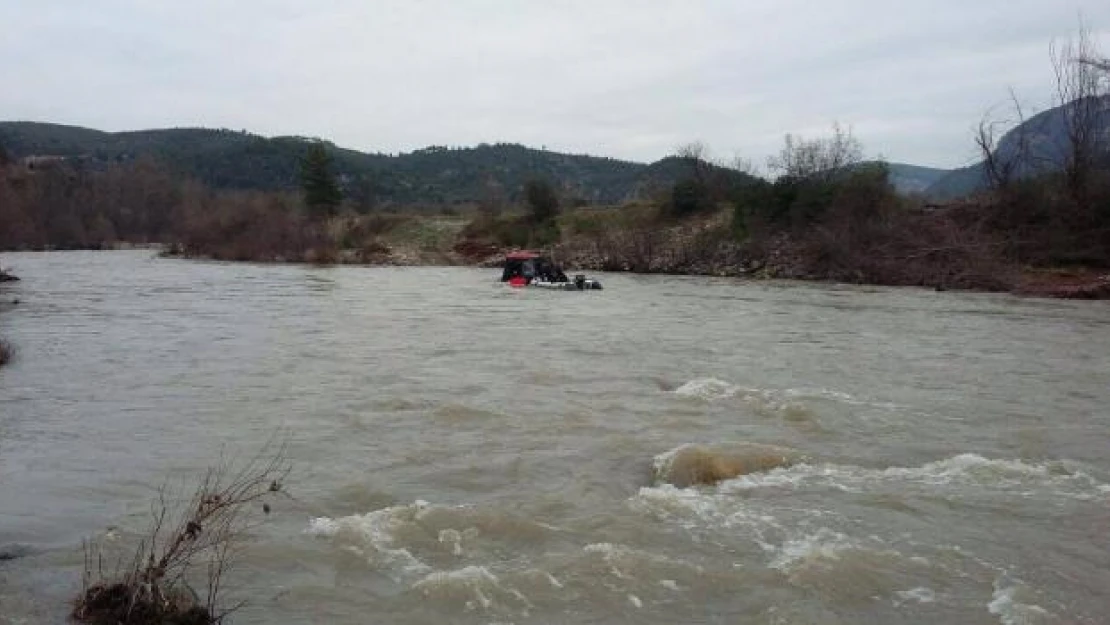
[[673, 502], [669, 584], [709, 389], [454, 538], [920, 594], [608, 550], [638, 568], [635, 601], [713, 389], [823, 393], [553, 580], [800, 541], [1005, 605], [476, 580], [373, 536], [699, 510], [322, 526], [467, 575], [610, 553], [696, 509], [824, 544], [1057, 478], [475, 588], [788, 403], [662, 462]]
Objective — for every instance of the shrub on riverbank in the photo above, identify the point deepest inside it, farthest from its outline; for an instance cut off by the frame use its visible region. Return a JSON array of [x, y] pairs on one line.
[[511, 231], [853, 227], [646, 238], [244, 226], [153, 589]]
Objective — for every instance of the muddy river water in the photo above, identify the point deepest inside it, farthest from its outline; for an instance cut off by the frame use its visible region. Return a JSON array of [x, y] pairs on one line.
[[467, 453]]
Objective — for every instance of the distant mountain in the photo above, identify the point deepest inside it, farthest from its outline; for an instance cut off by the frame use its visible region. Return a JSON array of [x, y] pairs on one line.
[[1045, 134], [912, 179], [435, 175]]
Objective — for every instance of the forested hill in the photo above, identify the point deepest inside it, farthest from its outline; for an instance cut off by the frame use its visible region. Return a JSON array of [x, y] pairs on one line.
[[230, 159]]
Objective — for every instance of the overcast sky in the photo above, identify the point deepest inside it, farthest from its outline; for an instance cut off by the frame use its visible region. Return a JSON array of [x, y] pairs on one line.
[[625, 78]]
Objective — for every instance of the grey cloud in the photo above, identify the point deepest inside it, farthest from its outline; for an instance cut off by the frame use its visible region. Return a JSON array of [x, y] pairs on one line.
[[626, 78]]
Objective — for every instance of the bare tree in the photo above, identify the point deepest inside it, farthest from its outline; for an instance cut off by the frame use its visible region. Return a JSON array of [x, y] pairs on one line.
[[743, 165], [696, 154], [695, 150], [1099, 63], [823, 159], [1002, 164], [1080, 92]]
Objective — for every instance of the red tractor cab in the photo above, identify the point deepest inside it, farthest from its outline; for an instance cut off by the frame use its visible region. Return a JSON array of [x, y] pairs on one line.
[[528, 268], [523, 267]]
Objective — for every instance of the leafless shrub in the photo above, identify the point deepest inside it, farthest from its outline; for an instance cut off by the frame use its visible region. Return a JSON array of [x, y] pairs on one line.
[[246, 226], [1079, 91], [1002, 167], [206, 530], [897, 247], [1048, 185], [822, 159]]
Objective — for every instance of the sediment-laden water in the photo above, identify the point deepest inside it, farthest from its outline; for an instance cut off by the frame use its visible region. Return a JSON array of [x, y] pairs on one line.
[[468, 453]]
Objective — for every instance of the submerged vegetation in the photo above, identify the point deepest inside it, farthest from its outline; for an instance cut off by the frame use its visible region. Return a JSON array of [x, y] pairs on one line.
[[201, 533]]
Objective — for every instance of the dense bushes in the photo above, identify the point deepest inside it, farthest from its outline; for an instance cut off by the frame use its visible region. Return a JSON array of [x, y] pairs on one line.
[[539, 227], [1046, 225], [245, 226], [688, 197], [850, 225], [65, 206], [511, 231]]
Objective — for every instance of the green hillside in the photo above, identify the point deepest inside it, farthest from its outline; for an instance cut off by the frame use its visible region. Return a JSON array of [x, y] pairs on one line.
[[230, 159]]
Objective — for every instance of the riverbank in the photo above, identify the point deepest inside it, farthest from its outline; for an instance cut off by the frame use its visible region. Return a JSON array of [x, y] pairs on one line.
[[1073, 283], [636, 239]]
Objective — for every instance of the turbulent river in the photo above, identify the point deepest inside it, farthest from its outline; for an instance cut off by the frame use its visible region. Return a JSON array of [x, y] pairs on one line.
[[467, 453]]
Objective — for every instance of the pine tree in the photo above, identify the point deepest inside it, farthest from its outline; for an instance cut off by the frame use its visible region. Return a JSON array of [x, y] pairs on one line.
[[542, 199], [321, 190]]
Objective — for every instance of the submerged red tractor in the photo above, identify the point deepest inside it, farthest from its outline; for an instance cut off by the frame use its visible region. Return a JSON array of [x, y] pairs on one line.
[[531, 269]]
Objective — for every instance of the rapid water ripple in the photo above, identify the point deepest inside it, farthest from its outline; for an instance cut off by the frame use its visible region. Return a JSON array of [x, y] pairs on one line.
[[472, 454]]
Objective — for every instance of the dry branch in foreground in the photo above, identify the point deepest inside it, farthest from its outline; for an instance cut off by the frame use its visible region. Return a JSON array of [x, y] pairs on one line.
[[204, 530]]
